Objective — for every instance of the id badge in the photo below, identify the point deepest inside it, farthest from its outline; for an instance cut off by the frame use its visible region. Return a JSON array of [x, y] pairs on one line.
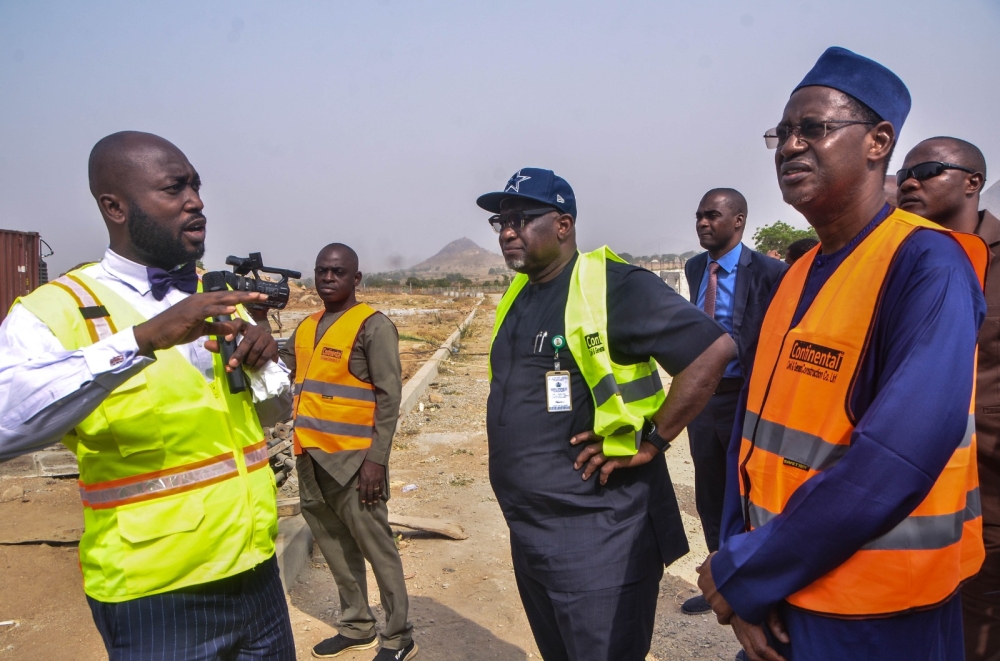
[[557, 392]]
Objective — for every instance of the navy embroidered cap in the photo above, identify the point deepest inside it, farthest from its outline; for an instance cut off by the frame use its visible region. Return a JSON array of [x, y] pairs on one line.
[[533, 184], [866, 80]]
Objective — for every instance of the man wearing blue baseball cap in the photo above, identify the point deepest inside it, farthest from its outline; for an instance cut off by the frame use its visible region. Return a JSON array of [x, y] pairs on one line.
[[571, 368], [852, 514]]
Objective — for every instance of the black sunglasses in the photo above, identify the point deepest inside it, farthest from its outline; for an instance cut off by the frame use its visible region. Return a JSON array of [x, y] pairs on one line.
[[928, 170], [516, 218]]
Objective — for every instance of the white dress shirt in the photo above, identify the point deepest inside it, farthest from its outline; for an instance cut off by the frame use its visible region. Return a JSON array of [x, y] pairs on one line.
[[45, 391]]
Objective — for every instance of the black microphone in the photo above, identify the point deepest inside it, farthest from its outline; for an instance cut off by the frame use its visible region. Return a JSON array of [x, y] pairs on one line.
[[216, 281]]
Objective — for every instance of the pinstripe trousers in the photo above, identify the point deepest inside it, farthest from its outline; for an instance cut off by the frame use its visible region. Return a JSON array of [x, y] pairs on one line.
[[238, 618]]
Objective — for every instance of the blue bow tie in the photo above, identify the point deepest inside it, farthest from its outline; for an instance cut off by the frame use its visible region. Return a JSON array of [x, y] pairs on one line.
[[183, 279]]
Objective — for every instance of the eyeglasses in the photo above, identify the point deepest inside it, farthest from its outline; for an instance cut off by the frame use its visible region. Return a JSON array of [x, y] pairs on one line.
[[806, 131], [928, 170], [516, 218]]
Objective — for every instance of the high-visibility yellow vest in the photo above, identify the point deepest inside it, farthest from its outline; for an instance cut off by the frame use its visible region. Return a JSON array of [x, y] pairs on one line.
[[334, 410], [625, 396], [797, 425], [174, 473]]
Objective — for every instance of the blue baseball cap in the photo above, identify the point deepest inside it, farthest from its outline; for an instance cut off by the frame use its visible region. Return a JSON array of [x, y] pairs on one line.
[[866, 80], [533, 184]]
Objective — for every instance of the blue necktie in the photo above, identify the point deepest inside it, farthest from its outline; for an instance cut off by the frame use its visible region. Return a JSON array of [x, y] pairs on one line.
[[183, 279]]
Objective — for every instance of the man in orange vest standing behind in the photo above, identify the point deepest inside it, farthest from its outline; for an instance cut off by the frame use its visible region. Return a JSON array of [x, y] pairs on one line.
[[852, 514], [348, 386]]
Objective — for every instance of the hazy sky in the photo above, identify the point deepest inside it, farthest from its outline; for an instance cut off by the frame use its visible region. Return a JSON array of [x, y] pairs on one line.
[[379, 123]]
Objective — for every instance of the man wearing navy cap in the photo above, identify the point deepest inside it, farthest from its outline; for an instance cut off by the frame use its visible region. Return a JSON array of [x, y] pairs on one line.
[[852, 510], [571, 368]]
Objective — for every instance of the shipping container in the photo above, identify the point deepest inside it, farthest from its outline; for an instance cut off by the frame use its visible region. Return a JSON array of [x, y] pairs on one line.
[[19, 266]]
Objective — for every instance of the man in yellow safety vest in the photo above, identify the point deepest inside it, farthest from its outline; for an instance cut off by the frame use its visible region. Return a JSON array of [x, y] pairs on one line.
[[179, 498]]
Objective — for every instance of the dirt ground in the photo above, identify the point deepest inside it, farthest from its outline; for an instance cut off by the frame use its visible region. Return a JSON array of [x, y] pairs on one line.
[[424, 322], [463, 600]]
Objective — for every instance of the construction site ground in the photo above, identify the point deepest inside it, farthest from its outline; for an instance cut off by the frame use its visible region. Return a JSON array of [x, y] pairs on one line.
[[463, 600]]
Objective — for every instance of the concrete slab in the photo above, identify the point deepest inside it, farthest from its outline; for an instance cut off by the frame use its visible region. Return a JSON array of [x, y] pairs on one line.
[[292, 548], [56, 462]]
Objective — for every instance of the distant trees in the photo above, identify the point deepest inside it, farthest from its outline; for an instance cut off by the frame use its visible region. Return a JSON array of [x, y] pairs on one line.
[[778, 236]]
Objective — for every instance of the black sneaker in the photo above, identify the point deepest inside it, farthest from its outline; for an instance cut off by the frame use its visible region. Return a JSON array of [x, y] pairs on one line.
[[404, 654], [337, 645], [696, 605]]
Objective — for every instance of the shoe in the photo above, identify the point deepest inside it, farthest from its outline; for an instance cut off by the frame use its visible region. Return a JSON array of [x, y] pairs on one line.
[[696, 605], [404, 654], [337, 645]]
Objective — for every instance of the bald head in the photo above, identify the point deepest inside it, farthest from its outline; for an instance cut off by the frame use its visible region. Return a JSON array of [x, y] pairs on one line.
[[337, 276], [347, 257], [148, 193], [733, 198], [720, 220], [116, 160], [949, 196], [963, 152]]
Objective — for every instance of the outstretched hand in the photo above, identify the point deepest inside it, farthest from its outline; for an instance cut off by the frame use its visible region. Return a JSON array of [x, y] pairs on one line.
[[190, 319], [593, 458]]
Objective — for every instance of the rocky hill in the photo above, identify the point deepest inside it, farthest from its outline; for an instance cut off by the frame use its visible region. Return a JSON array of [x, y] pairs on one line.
[[461, 256]]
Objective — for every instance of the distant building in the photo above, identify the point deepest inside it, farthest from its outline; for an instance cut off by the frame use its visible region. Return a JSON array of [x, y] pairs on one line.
[[677, 280]]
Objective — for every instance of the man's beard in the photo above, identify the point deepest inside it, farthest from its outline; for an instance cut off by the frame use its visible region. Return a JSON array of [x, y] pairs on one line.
[[515, 264], [155, 242]]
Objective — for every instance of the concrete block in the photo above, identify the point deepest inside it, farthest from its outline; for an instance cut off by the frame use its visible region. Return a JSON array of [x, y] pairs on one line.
[[56, 462], [292, 548], [289, 506]]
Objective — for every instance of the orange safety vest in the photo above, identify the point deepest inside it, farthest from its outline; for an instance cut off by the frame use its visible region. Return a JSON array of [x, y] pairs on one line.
[[334, 410], [798, 423]]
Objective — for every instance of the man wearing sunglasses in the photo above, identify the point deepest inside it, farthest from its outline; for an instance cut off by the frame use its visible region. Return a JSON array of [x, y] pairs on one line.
[[852, 512], [941, 180], [571, 369]]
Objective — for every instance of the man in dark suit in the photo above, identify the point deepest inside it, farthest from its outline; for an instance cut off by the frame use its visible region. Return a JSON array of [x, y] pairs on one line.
[[732, 284], [941, 180]]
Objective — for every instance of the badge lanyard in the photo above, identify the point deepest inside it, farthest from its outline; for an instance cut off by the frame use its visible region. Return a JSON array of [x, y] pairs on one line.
[[557, 382]]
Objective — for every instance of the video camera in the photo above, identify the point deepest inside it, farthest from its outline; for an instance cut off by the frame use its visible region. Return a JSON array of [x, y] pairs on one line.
[[277, 298], [277, 292]]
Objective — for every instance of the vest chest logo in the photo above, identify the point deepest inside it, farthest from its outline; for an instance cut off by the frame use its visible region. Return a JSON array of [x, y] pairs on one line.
[[815, 360], [594, 343], [329, 353]]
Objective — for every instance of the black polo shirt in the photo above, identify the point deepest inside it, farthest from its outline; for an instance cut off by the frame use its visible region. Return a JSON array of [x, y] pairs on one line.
[[568, 534]]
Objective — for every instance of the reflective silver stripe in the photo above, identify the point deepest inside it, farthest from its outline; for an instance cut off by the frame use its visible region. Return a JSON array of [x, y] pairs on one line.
[[913, 532], [336, 390], [921, 533], [641, 388], [605, 389], [759, 516], [127, 492], [792, 444], [331, 427], [970, 429], [100, 323], [973, 505], [260, 455]]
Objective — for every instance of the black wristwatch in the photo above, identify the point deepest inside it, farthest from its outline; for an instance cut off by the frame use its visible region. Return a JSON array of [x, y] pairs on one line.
[[658, 441]]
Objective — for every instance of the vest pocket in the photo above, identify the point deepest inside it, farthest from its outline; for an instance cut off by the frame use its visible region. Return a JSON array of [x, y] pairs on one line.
[[159, 537], [129, 410]]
